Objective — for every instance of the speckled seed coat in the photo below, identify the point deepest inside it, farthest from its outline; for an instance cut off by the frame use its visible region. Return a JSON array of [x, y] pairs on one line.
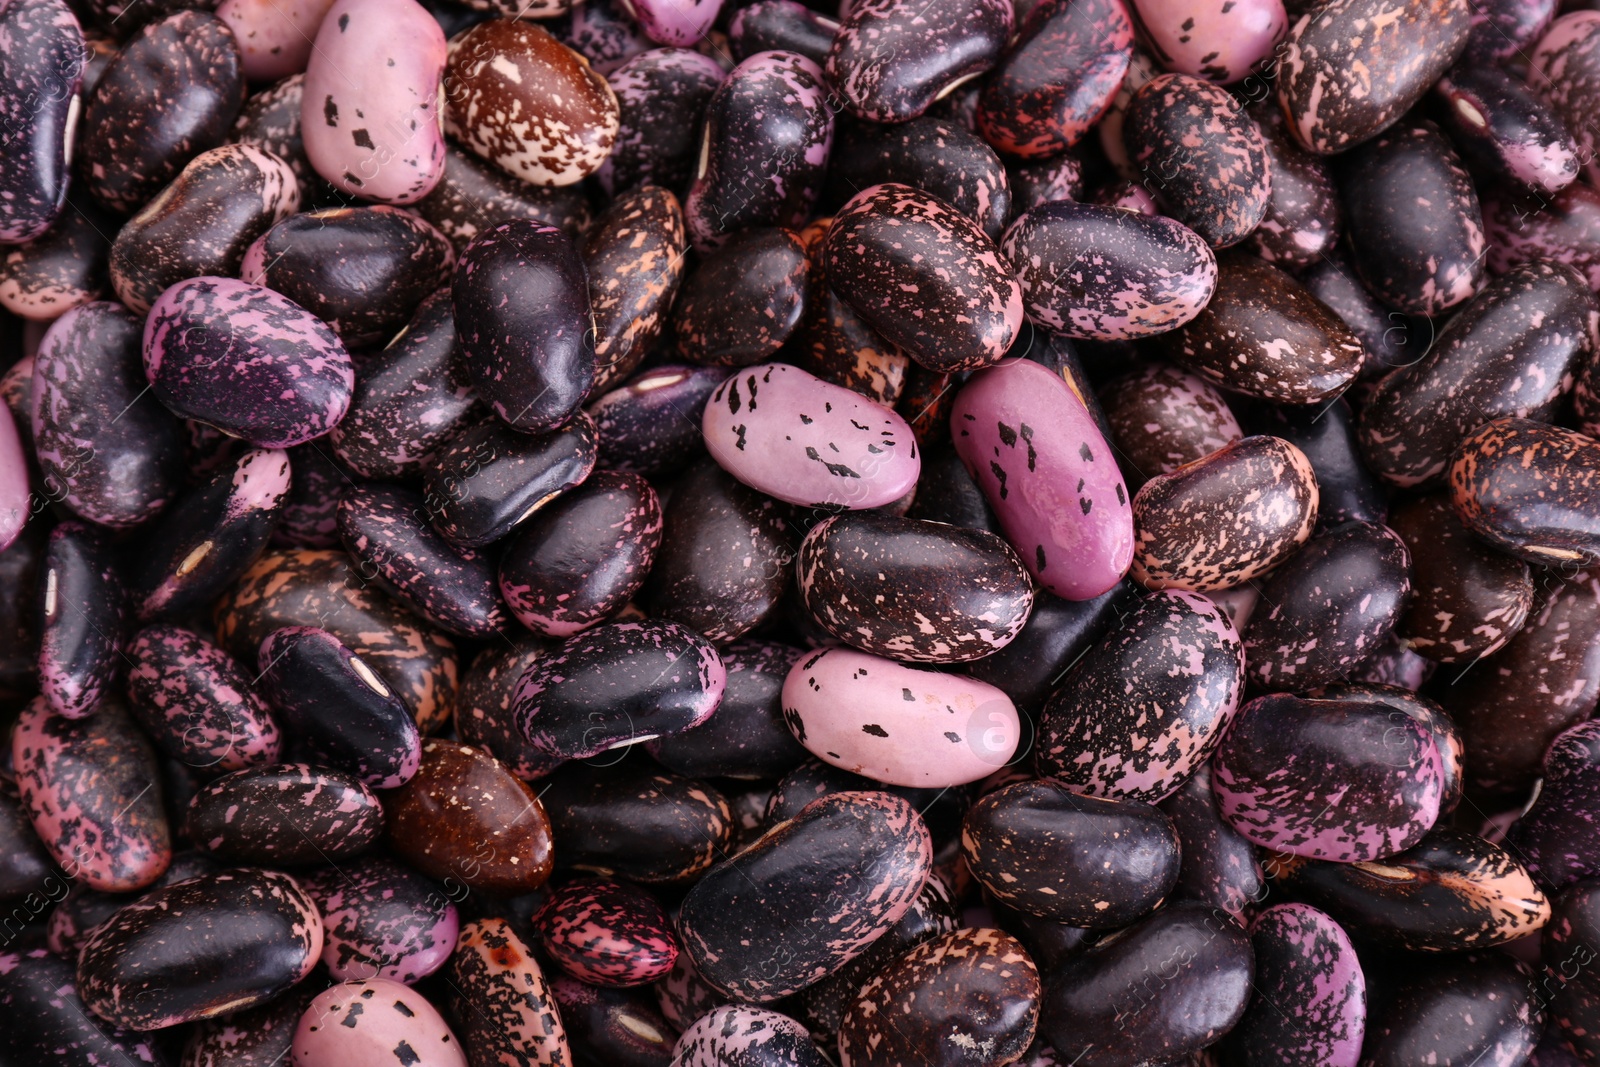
[[202, 223], [1500, 123], [362, 270], [897, 724], [744, 300], [1285, 756], [338, 710], [798, 438], [293, 384], [925, 276], [1530, 489], [528, 104], [617, 685], [171, 93], [1311, 999], [1453, 891], [1219, 41], [836, 344], [1100, 272], [90, 789], [288, 813], [1225, 519], [1512, 352], [483, 711], [1329, 608], [655, 91], [607, 933], [970, 997], [1058, 79], [1162, 417], [768, 132], [41, 65], [1467, 599], [323, 589], [738, 1034], [525, 324], [913, 590], [1220, 868], [1148, 704], [105, 450], [891, 59], [385, 528], [465, 817], [1083, 861], [212, 535], [812, 894], [634, 257], [1352, 67], [1304, 220], [63, 268], [939, 157], [1200, 154], [1262, 334], [1032, 447], [197, 703], [82, 608], [381, 919], [370, 112], [504, 1009], [375, 1023], [1565, 71], [1414, 224], [489, 478], [202, 947], [474, 195]]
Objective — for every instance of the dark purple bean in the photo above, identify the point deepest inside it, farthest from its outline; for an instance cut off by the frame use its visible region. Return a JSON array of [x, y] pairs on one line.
[[483, 710], [940, 158], [473, 196], [1418, 1012], [602, 31], [1530, 489], [284, 815], [82, 608], [744, 300], [891, 59], [1502, 126], [1162, 417], [270, 121], [197, 703], [1057, 632], [618, 1027], [1220, 867], [1303, 219], [382, 919], [46, 1020], [41, 65], [781, 25], [63, 268], [663, 93], [651, 424]]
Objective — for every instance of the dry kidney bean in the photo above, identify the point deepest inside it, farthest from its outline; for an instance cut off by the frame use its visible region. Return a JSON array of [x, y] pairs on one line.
[[702, 577]]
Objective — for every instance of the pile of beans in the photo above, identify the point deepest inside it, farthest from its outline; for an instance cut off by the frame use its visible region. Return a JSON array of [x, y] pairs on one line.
[[707, 533]]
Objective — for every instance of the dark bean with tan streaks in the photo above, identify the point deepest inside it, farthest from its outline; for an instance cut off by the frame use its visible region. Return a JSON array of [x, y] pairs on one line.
[[323, 589], [634, 257], [202, 223], [1225, 519], [504, 1009], [637, 822], [42, 65], [607, 933], [385, 529], [913, 590], [1413, 221], [583, 557], [1546, 679], [835, 343], [1311, 995], [409, 398], [743, 300], [465, 818], [1085, 861], [310, 517], [1284, 756], [1467, 599], [1512, 352], [891, 59], [808, 897], [255, 1037], [1530, 489], [1265, 336], [1162, 417], [176, 956], [336, 708], [1451, 892], [362, 270], [483, 710], [1351, 67], [1148, 704], [966, 999], [285, 814], [270, 121], [489, 478], [1100, 272], [1199, 153], [924, 276], [196, 702], [473, 196], [171, 93], [1328, 608]]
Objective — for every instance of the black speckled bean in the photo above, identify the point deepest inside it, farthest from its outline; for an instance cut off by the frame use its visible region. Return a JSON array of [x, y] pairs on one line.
[[939, 157], [746, 736], [891, 59], [744, 300], [47, 1022], [197, 703], [1530, 489], [473, 196], [1220, 867], [662, 94], [781, 25], [63, 268], [82, 608], [285, 814], [42, 66], [651, 424], [1304, 219], [1502, 127]]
